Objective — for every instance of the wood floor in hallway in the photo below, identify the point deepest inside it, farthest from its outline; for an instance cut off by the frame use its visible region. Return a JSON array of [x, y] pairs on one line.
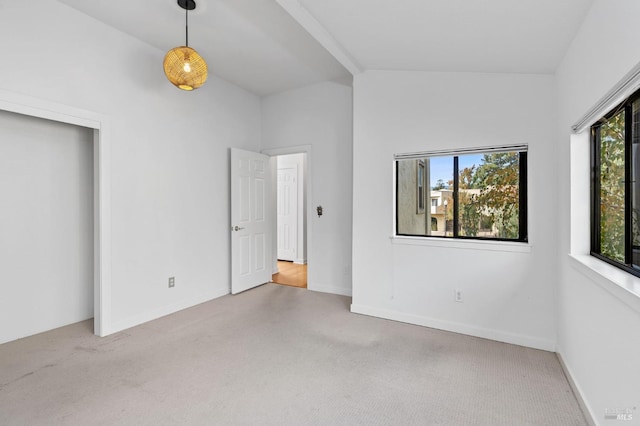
[[290, 273]]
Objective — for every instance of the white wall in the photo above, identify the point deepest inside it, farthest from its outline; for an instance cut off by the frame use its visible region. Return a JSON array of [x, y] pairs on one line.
[[320, 116], [508, 295], [46, 205], [169, 153], [297, 161], [597, 330]]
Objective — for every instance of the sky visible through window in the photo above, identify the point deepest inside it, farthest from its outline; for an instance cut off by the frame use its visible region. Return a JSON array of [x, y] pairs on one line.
[[442, 167]]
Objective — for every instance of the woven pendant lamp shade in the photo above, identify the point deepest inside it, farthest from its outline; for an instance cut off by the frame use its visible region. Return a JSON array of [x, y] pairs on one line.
[[185, 68]]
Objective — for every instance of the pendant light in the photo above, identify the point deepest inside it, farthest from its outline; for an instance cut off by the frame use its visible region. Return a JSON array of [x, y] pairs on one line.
[[183, 66]]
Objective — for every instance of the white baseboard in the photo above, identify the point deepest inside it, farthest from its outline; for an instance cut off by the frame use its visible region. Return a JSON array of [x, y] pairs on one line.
[[165, 310], [588, 415], [300, 261], [485, 333], [333, 289]]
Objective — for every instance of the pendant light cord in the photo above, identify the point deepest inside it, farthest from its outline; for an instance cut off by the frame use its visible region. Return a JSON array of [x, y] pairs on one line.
[[186, 22]]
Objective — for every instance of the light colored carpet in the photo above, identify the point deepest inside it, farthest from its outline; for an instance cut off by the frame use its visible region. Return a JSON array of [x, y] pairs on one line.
[[278, 355]]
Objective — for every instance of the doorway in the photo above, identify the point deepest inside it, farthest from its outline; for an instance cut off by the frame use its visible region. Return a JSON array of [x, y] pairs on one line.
[[47, 233], [99, 124], [291, 219]]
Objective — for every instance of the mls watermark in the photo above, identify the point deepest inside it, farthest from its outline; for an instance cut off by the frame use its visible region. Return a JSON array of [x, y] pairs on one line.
[[619, 413]]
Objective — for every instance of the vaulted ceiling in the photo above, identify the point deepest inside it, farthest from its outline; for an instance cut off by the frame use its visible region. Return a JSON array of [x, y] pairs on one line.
[[268, 46]]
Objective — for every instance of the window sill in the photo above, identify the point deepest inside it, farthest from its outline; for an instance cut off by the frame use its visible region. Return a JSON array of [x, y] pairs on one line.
[[504, 246], [617, 282]]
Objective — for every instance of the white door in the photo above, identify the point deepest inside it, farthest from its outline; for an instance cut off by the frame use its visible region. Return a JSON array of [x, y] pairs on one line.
[[250, 228], [287, 213]]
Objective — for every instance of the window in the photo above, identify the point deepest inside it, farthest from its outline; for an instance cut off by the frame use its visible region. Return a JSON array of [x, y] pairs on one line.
[[615, 187], [478, 194]]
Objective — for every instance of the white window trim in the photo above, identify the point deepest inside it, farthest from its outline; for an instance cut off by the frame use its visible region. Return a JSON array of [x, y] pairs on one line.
[[619, 283], [461, 243], [461, 151]]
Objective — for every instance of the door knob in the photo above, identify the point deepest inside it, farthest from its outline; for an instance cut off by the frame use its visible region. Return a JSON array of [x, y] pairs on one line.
[[236, 228]]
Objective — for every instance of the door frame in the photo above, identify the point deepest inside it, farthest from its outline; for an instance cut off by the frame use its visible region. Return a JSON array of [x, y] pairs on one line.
[[40, 108], [298, 149]]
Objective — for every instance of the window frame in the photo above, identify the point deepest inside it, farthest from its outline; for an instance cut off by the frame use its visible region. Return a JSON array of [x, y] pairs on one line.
[[595, 186], [421, 190], [522, 150]]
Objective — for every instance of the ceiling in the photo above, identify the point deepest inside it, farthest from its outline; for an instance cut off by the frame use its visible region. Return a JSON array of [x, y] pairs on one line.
[[519, 36], [254, 44], [269, 46]]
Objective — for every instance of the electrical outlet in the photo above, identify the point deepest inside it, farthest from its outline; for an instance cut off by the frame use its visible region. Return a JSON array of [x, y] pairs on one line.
[[172, 282], [458, 296]]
